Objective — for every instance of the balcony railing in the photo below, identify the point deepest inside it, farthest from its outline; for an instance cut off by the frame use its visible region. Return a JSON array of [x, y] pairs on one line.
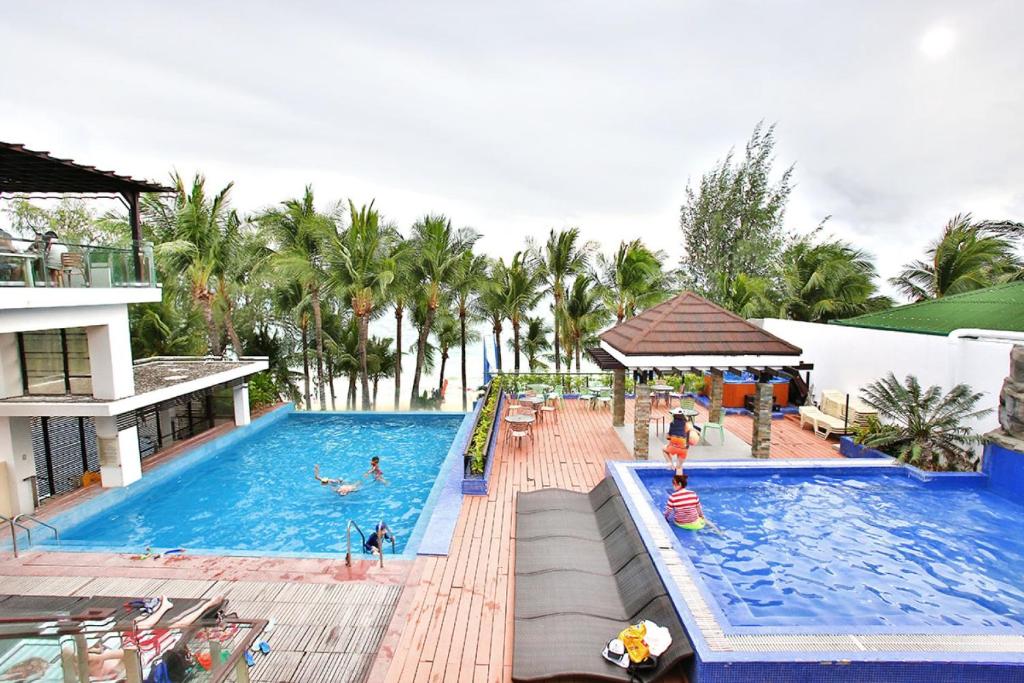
[[38, 263]]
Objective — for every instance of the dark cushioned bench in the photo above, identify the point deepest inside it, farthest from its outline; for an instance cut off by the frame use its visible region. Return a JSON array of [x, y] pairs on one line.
[[582, 574]]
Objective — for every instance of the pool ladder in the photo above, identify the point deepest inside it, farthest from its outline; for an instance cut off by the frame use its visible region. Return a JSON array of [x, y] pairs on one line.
[[348, 543], [15, 522]]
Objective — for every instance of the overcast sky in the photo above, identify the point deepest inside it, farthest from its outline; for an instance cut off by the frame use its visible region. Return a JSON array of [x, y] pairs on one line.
[[519, 117]]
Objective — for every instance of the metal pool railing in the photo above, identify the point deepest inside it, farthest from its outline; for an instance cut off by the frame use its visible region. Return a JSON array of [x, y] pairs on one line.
[[48, 263]]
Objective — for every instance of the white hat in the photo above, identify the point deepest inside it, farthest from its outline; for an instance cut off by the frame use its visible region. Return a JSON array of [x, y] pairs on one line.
[[615, 652]]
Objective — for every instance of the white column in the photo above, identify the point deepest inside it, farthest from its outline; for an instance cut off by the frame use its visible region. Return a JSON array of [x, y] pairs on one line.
[[18, 464], [166, 418], [241, 396], [120, 462], [10, 366], [110, 357]]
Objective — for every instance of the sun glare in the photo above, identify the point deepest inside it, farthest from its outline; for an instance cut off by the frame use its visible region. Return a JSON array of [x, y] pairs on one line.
[[937, 42]]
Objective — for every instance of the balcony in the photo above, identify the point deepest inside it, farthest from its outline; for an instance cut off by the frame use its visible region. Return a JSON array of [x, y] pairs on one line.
[[37, 263]]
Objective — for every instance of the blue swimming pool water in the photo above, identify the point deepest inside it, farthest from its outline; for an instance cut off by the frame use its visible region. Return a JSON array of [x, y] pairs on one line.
[[822, 551], [260, 495]]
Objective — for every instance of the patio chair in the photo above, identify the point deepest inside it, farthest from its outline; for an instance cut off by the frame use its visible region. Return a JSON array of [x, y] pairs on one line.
[[520, 432], [69, 263], [548, 409], [808, 414], [603, 401], [712, 426], [687, 403]]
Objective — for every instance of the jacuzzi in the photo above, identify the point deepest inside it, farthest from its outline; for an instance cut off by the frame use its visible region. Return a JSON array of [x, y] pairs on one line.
[[738, 387]]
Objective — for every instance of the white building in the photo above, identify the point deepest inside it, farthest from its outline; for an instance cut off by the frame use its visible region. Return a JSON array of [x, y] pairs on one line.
[[72, 401]]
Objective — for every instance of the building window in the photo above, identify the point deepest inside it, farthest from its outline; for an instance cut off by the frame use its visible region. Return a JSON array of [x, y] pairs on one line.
[[55, 362]]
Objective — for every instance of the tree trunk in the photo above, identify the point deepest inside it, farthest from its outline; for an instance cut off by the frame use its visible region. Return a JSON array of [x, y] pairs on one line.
[[462, 330], [515, 343], [421, 351], [330, 382], [213, 339], [558, 349], [578, 356], [444, 362], [350, 398], [375, 380], [305, 359], [497, 346], [318, 324], [364, 377], [398, 355], [229, 324]]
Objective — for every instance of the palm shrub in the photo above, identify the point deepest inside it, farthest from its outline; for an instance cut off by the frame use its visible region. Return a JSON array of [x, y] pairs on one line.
[[924, 426]]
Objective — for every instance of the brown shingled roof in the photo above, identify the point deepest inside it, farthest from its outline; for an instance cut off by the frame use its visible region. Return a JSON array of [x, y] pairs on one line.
[[28, 171], [690, 325]]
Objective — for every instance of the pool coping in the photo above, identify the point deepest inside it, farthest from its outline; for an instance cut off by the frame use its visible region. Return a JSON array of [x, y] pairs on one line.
[[713, 642], [79, 512]]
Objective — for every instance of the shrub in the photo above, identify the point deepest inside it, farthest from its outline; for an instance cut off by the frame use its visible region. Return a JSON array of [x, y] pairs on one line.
[[263, 391], [693, 383], [478, 443]]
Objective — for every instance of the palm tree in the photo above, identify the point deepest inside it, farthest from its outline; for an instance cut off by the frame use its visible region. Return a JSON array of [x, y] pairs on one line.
[[632, 278], [291, 299], [749, 297], [828, 280], [437, 248], [446, 333], [381, 361], [361, 271], [562, 257], [584, 313], [522, 292], [403, 291], [490, 304], [195, 235], [969, 255], [535, 343], [924, 426], [162, 329], [469, 279], [298, 237]]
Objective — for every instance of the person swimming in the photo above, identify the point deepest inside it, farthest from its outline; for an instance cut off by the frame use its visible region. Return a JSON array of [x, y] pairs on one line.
[[373, 543], [375, 470], [326, 481], [346, 489]]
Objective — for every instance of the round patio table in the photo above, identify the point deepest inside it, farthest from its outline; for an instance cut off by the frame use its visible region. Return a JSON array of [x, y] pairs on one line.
[[661, 387]]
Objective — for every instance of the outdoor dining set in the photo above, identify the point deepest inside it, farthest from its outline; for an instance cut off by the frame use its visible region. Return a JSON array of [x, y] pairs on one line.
[[540, 402]]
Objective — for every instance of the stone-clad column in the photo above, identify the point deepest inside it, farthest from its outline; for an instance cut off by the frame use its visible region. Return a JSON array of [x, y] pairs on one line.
[[717, 389], [762, 441], [642, 422], [619, 397]]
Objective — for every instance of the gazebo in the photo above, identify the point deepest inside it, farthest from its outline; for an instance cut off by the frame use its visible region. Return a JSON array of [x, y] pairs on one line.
[[688, 333]]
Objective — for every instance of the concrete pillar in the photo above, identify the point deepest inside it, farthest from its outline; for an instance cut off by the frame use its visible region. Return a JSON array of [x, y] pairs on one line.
[[10, 366], [240, 393], [717, 389], [762, 441], [110, 358], [642, 422], [17, 466], [619, 397], [120, 462]]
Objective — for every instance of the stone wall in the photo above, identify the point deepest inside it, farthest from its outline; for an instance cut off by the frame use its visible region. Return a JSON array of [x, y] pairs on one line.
[[717, 389], [642, 422], [1011, 405], [762, 436], [618, 398]]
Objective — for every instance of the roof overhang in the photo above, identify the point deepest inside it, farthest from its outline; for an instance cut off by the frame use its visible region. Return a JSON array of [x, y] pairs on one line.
[[705, 362], [22, 406], [26, 171]]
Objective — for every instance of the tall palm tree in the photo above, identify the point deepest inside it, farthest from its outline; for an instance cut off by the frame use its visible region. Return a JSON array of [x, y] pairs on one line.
[[584, 313], [490, 304], [562, 257], [298, 236], [828, 280], [535, 343], [522, 292], [466, 285], [748, 296], [195, 234], [632, 278], [361, 271], [970, 255], [291, 299], [437, 248], [381, 353], [446, 333]]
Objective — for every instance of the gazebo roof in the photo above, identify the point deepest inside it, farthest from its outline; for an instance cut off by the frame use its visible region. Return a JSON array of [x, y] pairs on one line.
[[690, 325], [26, 171]]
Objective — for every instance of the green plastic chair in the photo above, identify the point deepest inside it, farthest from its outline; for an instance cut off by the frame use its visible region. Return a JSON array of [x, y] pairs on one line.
[[708, 426], [687, 403]]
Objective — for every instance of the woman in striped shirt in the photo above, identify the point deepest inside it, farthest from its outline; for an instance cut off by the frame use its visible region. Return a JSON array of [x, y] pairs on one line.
[[683, 508]]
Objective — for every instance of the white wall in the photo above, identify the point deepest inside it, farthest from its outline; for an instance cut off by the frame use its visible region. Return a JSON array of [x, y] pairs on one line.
[[847, 358]]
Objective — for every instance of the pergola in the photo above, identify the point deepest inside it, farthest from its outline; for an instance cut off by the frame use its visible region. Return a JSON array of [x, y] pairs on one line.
[[688, 333], [27, 172]]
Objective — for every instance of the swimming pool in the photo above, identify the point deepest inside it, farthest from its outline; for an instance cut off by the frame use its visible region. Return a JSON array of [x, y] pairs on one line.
[[894, 573], [255, 494]]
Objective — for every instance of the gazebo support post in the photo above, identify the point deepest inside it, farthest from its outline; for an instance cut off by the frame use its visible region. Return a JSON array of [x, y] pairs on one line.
[[642, 420], [762, 437], [717, 389], [618, 397]]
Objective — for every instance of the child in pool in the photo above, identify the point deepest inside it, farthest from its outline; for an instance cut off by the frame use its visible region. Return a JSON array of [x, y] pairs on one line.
[[325, 480], [380, 534], [683, 507], [375, 470]]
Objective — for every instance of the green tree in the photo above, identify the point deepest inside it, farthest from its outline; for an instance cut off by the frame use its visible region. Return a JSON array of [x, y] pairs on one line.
[[74, 221], [823, 281], [749, 297], [522, 292], [164, 329], [437, 248], [536, 344], [732, 221], [632, 278], [584, 313], [403, 291], [298, 236], [468, 281], [969, 255], [446, 334], [491, 303], [925, 427], [361, 270], [562, 257], [381, 361]]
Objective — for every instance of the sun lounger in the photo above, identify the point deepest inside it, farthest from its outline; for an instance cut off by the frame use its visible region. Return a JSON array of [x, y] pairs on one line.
[[579, 582]]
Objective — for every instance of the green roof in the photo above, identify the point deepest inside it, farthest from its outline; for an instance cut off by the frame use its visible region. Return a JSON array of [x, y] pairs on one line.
[[994, 308]]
